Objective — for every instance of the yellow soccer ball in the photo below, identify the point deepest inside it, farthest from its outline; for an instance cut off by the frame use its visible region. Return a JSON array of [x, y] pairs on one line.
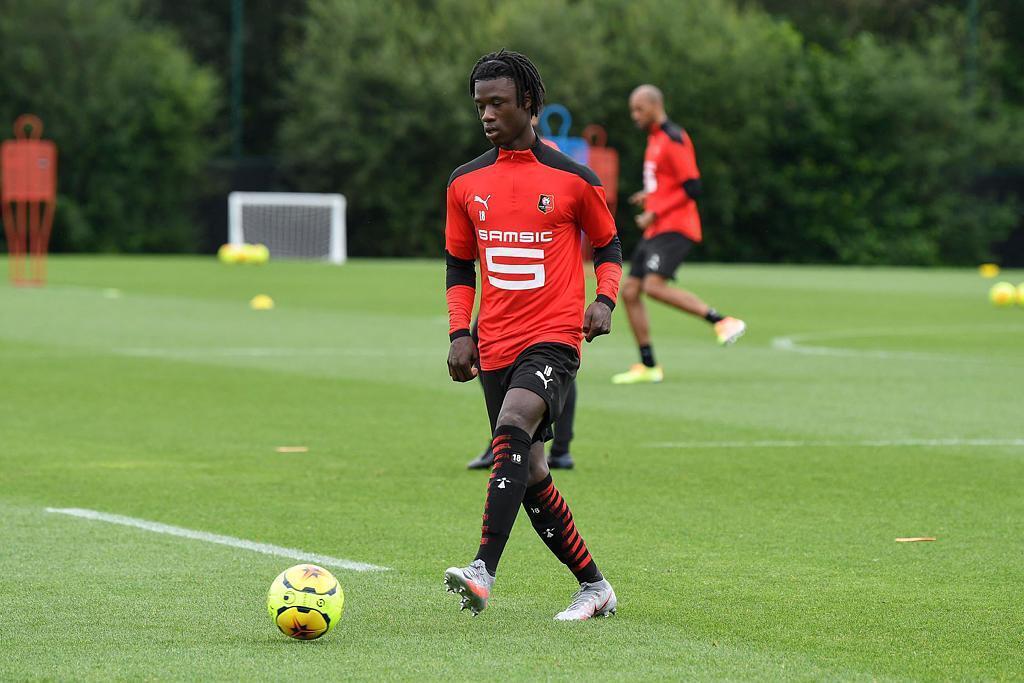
[[231, 253], [1002, 294], [305, 601], [1020, 294]]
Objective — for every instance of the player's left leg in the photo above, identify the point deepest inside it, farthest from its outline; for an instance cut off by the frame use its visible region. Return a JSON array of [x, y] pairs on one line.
[[553, 521], [727, 328], [560, 458]]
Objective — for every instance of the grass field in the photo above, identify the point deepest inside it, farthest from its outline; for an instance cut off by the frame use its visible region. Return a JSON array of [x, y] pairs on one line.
[[746, 510]]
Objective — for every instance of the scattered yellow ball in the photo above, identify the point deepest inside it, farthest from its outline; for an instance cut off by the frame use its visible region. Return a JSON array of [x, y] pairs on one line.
[[988, 270], [1020, 294], [257, 254], [1002, 294], [262, 302]]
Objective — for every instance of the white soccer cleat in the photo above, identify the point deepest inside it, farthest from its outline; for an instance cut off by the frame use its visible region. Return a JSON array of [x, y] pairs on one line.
[[728, 330], [473, 583], [591, 600]]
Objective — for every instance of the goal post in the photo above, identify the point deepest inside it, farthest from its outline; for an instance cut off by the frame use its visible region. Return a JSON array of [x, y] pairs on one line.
[[293, 225]]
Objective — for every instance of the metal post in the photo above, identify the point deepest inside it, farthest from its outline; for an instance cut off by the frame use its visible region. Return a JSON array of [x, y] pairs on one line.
[[237, 60]]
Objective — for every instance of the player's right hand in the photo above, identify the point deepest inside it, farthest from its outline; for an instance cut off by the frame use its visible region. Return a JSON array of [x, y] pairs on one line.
[[638, 198], [463, 359]]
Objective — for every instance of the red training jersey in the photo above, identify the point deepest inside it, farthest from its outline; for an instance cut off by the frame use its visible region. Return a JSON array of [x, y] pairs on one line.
[[520, 214], [670, 174]]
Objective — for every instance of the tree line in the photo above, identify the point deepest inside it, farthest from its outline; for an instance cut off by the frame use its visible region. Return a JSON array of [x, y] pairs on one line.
[[876, 133]]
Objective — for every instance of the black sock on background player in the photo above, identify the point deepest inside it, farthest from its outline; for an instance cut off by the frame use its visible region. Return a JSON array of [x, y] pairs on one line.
[[647, 355], [505, 491], [552, 520]]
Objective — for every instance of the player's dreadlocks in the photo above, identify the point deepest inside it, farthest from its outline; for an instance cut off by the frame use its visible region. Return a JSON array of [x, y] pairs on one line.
[[513, 65]]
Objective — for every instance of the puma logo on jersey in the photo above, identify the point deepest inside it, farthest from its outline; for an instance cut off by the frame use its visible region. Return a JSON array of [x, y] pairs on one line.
[[476, 198], [544, 377]]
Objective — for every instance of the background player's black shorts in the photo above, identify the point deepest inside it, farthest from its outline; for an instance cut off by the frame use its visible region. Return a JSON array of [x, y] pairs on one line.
[[546, 369], [661, 255]]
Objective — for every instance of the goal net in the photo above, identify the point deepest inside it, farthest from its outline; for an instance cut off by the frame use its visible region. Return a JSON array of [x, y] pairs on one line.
[[296, 225]]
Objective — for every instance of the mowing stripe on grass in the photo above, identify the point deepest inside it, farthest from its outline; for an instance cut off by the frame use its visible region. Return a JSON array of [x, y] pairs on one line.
[[265, 548], [867, 443]]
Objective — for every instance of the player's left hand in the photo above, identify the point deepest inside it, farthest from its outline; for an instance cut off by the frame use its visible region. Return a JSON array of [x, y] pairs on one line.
[[644, 220], [597, 320]]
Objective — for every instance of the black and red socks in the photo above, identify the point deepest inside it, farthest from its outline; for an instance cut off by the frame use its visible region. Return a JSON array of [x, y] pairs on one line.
[[505, 490], [553, 522]]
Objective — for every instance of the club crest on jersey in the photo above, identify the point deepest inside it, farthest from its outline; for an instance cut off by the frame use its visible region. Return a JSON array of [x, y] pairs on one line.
[[546, 203]]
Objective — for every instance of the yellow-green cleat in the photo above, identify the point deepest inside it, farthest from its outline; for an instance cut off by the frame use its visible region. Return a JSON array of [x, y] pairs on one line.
[[640, 374]]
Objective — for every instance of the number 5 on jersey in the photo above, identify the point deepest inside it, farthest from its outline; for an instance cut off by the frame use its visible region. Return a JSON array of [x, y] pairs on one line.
[[536, 270]]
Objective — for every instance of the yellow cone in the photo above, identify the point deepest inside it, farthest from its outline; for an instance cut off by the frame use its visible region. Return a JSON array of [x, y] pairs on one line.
[[988, 270]]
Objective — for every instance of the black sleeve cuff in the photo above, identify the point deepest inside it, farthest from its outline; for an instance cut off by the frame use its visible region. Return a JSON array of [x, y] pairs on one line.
[[693, 187], [609, 253], [606, 301], [459, 333]]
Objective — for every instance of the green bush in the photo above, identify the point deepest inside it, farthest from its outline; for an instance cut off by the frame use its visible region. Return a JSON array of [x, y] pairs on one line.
[[867, 154], [127, 108]]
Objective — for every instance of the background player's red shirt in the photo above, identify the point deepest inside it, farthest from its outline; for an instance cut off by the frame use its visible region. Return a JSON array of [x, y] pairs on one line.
[[668, 163], [520, 214]]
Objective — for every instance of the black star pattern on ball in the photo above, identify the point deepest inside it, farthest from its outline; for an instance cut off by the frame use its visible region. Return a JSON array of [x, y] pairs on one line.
[[300, 630]]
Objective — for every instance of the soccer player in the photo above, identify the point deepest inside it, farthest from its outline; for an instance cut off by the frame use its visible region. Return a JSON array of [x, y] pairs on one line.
[[671, 226], [519, 209], [559, 458]]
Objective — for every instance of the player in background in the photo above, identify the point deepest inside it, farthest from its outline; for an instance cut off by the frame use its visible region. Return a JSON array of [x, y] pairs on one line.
[[519, 209], [559, 458], [671, 226]]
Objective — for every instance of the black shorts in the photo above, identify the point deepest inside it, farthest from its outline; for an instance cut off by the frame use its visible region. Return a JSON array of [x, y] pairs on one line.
[[546, 369], [661, 255]]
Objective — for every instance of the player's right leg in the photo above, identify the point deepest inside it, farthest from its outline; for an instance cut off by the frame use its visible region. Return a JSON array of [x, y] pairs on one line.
[[517, 421], [486, 458]]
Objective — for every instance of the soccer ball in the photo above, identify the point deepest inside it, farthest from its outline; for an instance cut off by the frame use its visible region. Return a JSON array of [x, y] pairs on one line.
[[230, 253], [305, 601], [1002, 294]]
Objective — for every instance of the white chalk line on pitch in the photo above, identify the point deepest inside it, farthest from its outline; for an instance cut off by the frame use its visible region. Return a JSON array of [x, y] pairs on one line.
[[267, 352], [795, 343], [264, 548], [865, 443]]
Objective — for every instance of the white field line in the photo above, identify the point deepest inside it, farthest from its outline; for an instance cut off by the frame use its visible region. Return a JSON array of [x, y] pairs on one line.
[[796, 343], [865, 443], [266, 549], [267, 352]]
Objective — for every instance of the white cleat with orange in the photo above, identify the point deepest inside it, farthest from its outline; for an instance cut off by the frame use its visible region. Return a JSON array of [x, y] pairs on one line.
[[728, 330], [472, 583], [591, 600]]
